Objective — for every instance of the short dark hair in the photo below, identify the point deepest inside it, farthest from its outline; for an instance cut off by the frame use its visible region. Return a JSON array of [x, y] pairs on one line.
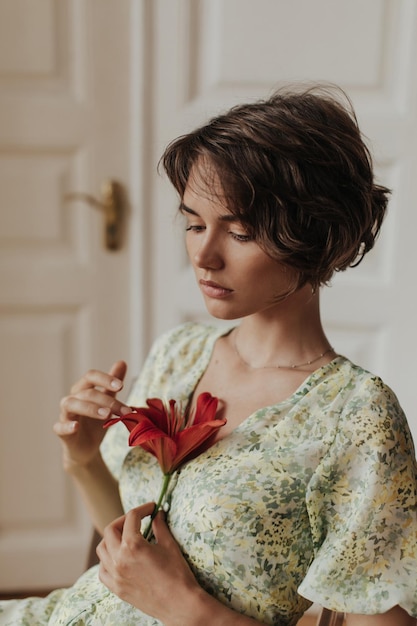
[[295, 170]]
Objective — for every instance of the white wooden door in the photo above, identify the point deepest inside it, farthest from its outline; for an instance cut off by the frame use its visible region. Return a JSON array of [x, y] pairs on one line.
[[212, 54], [70, 72]]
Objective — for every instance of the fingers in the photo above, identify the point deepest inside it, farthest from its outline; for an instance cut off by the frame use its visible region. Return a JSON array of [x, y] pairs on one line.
[[132, 523], [128, 525], [118, 370], [124, 529], [110, 383], [110, 543], [65, 429], [117, 524], [73, 408], [161, 530], [94, 396], [134, 517], [92, 403]]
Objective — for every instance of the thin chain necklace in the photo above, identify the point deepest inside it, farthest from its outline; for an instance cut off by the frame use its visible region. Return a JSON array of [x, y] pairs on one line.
[[279, 367]]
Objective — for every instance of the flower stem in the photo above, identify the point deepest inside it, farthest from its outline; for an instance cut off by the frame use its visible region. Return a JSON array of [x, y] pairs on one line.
[[164, 488]]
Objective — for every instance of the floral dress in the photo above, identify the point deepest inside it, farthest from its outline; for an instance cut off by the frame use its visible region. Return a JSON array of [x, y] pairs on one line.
[[310, 500]]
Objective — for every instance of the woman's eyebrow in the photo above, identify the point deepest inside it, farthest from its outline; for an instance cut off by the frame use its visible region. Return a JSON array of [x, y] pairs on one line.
[[185, 209], [226, 217]]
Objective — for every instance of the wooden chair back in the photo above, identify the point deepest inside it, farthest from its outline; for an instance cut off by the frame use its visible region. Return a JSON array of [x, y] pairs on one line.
[[330, 618]]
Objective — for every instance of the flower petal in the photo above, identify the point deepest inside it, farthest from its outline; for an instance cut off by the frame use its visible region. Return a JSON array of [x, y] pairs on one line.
[[159, 413], [130, 420], [196, 439], [155, 441], [206, 408], [164, 449]]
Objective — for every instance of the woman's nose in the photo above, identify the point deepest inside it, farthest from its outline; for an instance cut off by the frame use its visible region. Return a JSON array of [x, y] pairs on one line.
[[208, 255]]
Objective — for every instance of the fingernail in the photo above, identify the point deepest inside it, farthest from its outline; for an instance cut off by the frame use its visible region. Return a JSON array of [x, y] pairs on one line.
[[125, 410], [116, 383], [103, 412]]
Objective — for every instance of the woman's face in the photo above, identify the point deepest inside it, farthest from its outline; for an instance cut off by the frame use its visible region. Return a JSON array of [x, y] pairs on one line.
[[236, 277]]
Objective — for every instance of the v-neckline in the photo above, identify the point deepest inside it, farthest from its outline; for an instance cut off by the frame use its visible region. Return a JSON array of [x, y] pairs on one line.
[[300, 391]]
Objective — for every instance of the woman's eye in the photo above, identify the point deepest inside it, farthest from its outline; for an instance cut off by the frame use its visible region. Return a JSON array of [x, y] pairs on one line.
[[194, 227], [241, 237]]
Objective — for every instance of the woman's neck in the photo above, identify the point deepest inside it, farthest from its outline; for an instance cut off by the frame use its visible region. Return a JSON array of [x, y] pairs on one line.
[[289, 333]]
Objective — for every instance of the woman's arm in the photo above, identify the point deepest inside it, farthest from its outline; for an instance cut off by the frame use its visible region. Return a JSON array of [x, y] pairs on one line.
[[99, 490], [80, 427], [395, 617]]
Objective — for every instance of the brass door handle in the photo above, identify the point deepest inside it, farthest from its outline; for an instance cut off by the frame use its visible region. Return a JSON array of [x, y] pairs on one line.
[[112, 204]]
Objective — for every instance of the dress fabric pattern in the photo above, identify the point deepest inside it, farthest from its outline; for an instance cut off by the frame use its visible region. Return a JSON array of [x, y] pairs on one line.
[[310, 500]]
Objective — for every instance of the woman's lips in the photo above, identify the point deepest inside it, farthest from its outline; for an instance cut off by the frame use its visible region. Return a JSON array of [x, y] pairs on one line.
[[214, 290]]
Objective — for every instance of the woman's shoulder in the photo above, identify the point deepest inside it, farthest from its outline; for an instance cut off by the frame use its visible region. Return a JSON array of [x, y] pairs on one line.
[[359, 383], [368, 404]]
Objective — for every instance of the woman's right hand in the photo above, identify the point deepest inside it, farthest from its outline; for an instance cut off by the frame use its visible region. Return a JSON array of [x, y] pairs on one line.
[[91, 401]]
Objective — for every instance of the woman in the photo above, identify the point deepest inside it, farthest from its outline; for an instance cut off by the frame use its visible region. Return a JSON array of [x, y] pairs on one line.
[[309, 491]]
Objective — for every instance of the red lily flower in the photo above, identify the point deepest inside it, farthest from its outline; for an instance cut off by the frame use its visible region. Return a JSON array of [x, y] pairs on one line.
[[171, 436]]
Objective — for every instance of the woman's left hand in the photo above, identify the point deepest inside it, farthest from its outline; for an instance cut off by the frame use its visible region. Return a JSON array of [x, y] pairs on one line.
[[153, 577]]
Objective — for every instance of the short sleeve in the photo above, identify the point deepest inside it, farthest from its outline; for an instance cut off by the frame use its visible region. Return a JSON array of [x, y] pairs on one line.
[[361, 502]]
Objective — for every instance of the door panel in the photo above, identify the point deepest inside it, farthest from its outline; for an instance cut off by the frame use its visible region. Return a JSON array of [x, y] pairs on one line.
[[65, 305]]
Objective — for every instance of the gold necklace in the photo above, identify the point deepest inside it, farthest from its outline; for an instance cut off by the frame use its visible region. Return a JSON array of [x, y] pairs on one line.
[[279, 367]]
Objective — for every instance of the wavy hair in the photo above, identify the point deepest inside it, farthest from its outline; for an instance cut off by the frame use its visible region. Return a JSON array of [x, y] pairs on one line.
[[296, 172]]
